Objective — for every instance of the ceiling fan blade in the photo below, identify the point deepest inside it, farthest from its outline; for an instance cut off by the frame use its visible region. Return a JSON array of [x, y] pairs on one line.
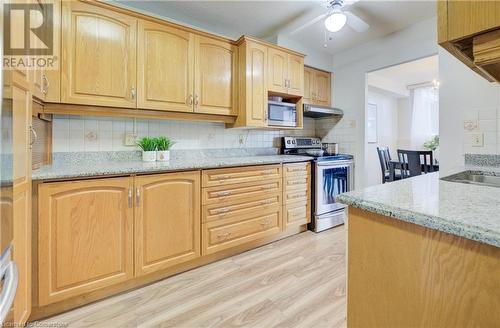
[[356, 23], [309, 23]]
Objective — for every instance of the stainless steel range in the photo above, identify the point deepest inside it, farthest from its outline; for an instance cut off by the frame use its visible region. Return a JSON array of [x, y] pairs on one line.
[[332, 174]]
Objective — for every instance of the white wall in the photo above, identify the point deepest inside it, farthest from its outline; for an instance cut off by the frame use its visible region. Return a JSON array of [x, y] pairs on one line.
[[317, 59], [404, 123], [387, 133], [464, 95], [350, 68]]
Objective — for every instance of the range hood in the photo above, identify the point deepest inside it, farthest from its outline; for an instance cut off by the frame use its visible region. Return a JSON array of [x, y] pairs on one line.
[[316, 111]]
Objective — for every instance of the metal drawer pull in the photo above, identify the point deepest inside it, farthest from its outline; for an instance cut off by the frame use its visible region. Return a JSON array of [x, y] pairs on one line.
[[298, 196], [137, 197], [224, 235], [222, 210], [266, 223], [267, 187], [267, 202], [223, 193], [296, 182], [223, 177], [35, 136], [296, 169], [268, 172]]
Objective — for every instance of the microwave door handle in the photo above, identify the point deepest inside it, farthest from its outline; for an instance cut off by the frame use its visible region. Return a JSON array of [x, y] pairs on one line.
[[10, 277]]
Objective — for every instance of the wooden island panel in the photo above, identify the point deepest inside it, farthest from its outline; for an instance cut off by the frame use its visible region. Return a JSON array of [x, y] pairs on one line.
[[405, 275]]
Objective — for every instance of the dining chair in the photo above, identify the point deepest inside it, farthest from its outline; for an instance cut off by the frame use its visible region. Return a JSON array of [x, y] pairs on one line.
[[384, 156], [415, 162]]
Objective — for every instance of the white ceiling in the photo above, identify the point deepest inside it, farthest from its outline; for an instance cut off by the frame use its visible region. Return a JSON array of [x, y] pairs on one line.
[[265, 19], [417, 71]]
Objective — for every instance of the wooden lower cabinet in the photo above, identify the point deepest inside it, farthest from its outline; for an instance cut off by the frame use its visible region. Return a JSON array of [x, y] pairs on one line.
[[101, 236], [85, 237], [167, 220], [237, 230], [296, 194]]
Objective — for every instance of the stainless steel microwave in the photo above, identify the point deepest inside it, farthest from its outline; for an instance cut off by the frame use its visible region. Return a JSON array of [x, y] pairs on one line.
[[281, 113]]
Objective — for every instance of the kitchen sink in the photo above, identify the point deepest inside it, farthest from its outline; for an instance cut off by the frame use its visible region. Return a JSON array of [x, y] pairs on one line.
[[476, 178]]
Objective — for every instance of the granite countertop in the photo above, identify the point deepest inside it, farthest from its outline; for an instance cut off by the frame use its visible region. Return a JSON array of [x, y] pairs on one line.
[[77, 168], [465, 210]]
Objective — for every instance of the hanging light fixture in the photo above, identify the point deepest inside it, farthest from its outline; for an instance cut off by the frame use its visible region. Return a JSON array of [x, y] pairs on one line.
[[335, 21]]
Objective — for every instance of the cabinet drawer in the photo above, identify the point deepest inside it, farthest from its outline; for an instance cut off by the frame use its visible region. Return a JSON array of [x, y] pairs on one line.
[[218, 177], [296, 196], [296, 183], [240, 208], [232, 232], [229, 193], [297, 214], [296, 169]]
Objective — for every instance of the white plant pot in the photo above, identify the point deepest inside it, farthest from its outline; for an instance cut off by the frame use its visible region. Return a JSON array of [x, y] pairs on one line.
[[148, 156], [162, 155]]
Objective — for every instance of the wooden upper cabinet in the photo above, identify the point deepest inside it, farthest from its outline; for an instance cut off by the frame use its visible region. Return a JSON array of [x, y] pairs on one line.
[[322, 90], [167, 230], [165, 68], [295, 75], [317, 87], [252, 57], [85, 235], [98, 56], [469, 30], [215, 77], [285, 73], [278, 70], [466, 18], [308, 85]]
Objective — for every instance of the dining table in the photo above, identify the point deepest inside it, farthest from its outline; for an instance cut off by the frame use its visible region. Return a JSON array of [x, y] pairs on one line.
[[396, 165]]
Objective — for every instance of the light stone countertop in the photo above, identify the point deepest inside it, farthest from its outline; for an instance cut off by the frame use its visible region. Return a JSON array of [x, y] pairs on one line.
[[464, 210], [68, 169]]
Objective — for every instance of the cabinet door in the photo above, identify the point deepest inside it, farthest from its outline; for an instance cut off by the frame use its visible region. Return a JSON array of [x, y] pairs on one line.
[[98, 61], [85, 237], [256, 84], [165, 68], [466, 18], [21, 201], [295, 75], [308, 85], [277, 71], [215, 86], [167, 230], [322, 88]]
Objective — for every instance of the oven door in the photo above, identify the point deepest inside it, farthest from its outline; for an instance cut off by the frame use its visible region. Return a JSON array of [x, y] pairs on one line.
[[331, 179]]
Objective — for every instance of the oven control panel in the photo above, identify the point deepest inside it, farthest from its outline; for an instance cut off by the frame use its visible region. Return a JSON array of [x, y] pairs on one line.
[[301, 142]]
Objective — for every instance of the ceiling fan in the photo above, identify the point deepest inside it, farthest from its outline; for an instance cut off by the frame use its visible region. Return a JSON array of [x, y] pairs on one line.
[[337, 17]]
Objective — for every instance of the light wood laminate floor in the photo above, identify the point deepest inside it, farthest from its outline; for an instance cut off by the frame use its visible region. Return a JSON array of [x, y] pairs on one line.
[[299, 281]]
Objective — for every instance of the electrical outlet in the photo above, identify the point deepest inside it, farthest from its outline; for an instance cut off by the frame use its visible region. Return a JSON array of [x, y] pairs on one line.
[[477, 139], [241, 139], [130, 139], [470, 125]]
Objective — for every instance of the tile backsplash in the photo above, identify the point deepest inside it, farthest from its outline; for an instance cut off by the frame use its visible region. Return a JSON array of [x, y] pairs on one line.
[[482, 123], [75, 133]]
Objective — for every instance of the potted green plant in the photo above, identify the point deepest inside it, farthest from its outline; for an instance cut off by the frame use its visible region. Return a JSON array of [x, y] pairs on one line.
[[148, 146], [433, 145], [163, 145]]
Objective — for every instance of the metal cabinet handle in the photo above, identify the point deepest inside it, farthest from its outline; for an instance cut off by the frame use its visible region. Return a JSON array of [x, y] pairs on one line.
[[137, 196], [267, 202], [297, 196], [34, 136], [130, 197], [267, 187], [45, 84], [190, 100], [265, 223], [223, 177], [10, 277], [132, 92], [267, 172], [196, 100], [297, 182]]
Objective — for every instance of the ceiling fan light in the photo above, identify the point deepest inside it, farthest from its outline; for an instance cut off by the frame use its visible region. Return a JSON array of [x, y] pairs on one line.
[[335, 21]]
